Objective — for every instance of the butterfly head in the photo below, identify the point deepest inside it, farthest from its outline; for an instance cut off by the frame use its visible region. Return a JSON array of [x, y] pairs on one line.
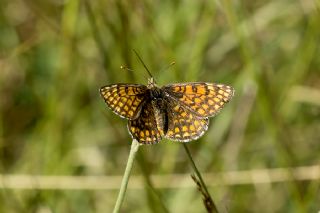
[[151, 83]]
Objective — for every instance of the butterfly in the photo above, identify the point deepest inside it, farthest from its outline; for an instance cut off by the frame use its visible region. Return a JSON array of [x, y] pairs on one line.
[[179, 111]]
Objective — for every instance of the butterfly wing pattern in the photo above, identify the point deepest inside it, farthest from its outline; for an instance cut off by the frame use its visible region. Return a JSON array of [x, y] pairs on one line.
[[126, 100], [178, 111], [203, 99], [183, 124], [144, 128]]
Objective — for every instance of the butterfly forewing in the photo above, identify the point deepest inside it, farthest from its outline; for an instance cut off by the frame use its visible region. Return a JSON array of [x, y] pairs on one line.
[[126, 100], [144, 128], [183, 124], [203, 99]]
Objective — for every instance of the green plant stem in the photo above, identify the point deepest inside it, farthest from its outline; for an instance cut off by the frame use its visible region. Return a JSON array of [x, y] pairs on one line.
[[133, 151], [200, 177]]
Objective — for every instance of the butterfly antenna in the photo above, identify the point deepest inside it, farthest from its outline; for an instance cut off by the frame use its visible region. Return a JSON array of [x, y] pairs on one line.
[[167, 67], [143, 63], [124, 67]]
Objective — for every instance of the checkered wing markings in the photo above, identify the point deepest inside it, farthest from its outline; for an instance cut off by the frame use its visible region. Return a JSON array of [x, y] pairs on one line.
[[124, 99], [144, 128], [183, 125], [204, 99]]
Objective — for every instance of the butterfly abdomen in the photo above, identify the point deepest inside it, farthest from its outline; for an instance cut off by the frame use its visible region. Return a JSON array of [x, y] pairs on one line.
[[159, 106]]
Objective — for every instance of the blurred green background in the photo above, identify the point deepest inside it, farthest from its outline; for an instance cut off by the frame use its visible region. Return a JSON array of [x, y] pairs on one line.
[[55, 55]]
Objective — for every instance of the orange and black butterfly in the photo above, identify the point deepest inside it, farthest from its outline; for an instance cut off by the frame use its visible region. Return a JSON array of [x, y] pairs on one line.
[[176, 111]]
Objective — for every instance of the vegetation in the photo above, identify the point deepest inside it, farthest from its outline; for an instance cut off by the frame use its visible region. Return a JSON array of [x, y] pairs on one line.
[[62, 150]]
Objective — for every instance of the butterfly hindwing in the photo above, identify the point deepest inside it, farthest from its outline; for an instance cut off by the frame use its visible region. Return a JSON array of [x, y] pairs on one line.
[[183, 125], [144, 128]]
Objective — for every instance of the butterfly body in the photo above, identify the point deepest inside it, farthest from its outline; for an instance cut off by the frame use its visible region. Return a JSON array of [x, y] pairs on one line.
[[176, 111]]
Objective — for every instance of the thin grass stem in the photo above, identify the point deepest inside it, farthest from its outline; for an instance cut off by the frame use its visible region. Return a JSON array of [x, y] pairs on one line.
[[214, 207], [133, 151]]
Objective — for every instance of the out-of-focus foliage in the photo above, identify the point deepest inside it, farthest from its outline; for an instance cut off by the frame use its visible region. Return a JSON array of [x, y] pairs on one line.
[[55, 55]]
